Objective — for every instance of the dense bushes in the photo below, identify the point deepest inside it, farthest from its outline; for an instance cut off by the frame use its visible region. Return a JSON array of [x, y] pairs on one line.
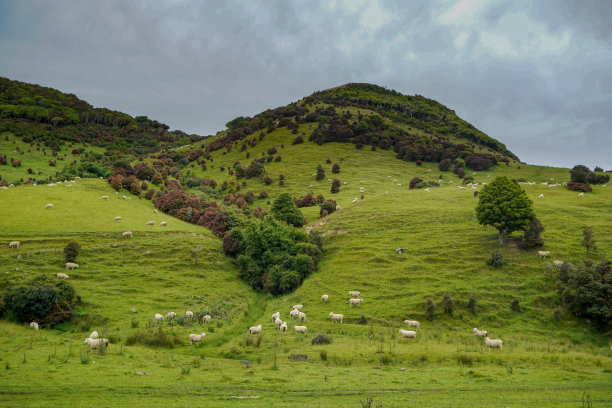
[[415, 182], [284, 209], [531, 238], [444, 165], [327, 207], [581, 177]]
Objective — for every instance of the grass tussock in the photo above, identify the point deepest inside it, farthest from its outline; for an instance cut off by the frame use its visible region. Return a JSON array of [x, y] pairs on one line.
[[153, 338]]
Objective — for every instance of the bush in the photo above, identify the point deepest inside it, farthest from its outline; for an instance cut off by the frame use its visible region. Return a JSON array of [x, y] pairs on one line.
[[444, 165], [576, 186], [263, 194], [335, 187], [496, 260], [336, 168], [267, 180], [59, 312], [430, 308], [531, 238], [321, 339], [153, 338], [579, 174], [284, 209], [414, 183], [328, 207], [29, 303], [471, 305], [515, 305], [323, 355], [71, 251], [320, 173], [298, 140], [448, 304]]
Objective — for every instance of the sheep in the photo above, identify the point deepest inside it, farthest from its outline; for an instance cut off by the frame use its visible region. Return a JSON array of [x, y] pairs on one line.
[[255, 329], [300, 329], [407, 334], [426, 190], [71, 265], [206, 319], [311, 186], [95, 343], [330, 180], [283, 328], [324, 298], [49, 206], [558, 263], [543, 254], [275, 316], [354, 294], [399, 185], [302, 316], [124, 197], [361, 190], [336, 317], [581, 195], [493, 343], [480, 333], [400, 251], [293, 313], [298, 307], [541, 196], [189, 314], [413, 323], [395, 181], [14, 244], [278, 322], [170, 315], [62, 276], [104, 198], [196, 338], [154, 211], [355, 201], [150, 222], [34, 325], [355, 302], [94, 334], [163, 223], [361, 182], [158, 317], [117, 218], [127, 234], [461, 187]]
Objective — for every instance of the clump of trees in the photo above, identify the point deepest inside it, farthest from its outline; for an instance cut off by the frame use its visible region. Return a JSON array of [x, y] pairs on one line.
[[581, 178]]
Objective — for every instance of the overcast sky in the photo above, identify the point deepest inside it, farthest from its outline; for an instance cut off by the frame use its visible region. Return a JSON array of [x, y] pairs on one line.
[[535, 75]]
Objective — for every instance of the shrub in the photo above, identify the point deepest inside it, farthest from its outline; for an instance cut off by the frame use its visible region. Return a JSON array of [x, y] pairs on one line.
[[579, 173], [444, 165], [419, 162], [272, 151], [480, 161], [471, 305], [328, 206], [59, 312], [515, 305], [298, 140], [415, 182], [575, 186], [149, 194], [335, 186], [496, 260], [588, 239], [267, 180], [320, 173], [336, 168], [284, 209], [29, 303], [531, 238], [321, 339], [448, 304], [430, 308], [71, 251], [153, 338], [263, 194], [281, 180], [323, 354]]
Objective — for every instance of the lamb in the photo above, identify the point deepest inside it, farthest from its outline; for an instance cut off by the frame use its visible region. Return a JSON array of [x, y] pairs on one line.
[[255, 329], [300, 329], [124, 197], [324, 298], [62, 276], [163, 223], [206, 319], [407, 334], [71, 265], [298, 307], [354, 294], [150, 222], [154, 211], [196, 338], [413, 323], [493, 343], [34, 325], [543, 254], [480, 333], [278, 322], [581, 195], [127, 234], [94, 334], [558, 263], [104, 198], [283, 328], [461, 187], [158, 317], [14, 244], [336, 317], [302, 316], [117, 218], [189, 314], [293, 313], [426, 190], [170, 315], [541, 196], [95, 343], [354, 201], [355, 302], [311, 186], [49, 206], [275, 316]]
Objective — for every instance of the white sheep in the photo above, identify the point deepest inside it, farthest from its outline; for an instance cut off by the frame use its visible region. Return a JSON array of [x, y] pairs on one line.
[[298, 307], [480, 333], [493, 343], [361, 190], [278, 322], [154, 211], [407, 334], [94, 334], [170, 315], [95, 343], [127, 234], [461, 187], [206, 319], [581, 195], [189, 314], [62, 276], [355, 201], [426, 190], [34, 325], [293, 313], [311, 186], [158, 317], [302, 316], [196, 338], [124, 197], [355, 302], [275, 316], [558, 263], [163, 223], [150, 222], [117, 218], [543, 254], [336, 317], [71, 265], [283, 328], [541, 196], [361, 182], [324, 298], [49, 206], [255, 329], [14, 244], [104, 198], [354, 293], [399, 184], [413, 323], [300, 329]]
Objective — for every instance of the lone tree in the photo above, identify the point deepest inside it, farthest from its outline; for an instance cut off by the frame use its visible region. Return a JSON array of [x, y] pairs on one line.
[[284, 209], [588, 239], [504, 205]]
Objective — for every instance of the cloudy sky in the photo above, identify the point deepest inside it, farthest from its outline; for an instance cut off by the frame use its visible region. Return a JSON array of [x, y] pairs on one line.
[[536, 75]]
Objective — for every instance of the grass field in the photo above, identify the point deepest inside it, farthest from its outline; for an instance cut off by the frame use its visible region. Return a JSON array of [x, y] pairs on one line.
[[544, 362]]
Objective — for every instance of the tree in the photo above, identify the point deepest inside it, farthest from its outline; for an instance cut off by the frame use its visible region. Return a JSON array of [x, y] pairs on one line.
[[531, 238], [335, 187], [504, 205], [284, 209], [320, 173], [588, 239]]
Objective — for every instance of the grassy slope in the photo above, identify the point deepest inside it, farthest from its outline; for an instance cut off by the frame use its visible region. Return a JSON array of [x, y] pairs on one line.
[[544, 363]]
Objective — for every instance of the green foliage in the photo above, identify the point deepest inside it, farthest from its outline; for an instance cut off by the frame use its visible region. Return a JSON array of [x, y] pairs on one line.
[[504, 205], [471, 305], [448, 304], [321, 339], [153, 338], [320, 173], [430, 308], [71, 251], [579, 173], [588, 239], [531, 238], [515, 305], [497, 259], [29, 303], [284, 209]]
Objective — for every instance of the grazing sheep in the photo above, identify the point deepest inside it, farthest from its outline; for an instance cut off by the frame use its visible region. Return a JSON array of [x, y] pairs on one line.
[[293, 313], [541, 196], [124, 197], [426, 190], [34, 325], [407, 334], [62, 276], [127, 234], [189, 314], [302, 316], [71, 265], [543, 254], [95, 343], [395, 181], [278, 322], [49, 206], [480, 333], [163, 223], [14, 244], [558, 263], [154, 211], [104, 198], [354, 294], [275, 316], [493, 343], [355, 302], [150, 222], [311, 186], [255, 329], [413, 323], [170, 315], [117, 218], [158, 317], [461, 187], [581, 195], [399, 184], [298, 307], [196, 338], [400, 251], [283, 328], [324, 298], [361, 190], [300, 329], [355, 201], [336, 317], [94, 334], [206, 319]]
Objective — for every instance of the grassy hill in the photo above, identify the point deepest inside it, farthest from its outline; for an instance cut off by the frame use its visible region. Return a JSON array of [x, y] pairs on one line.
[[549, 359]]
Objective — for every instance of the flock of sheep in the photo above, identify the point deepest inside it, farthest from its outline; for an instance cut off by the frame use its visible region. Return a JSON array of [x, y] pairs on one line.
[[189, 315]]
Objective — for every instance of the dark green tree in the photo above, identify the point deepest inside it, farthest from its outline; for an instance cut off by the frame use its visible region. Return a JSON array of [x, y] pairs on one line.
[[531, 238], [320, 173], [284, 209], [588, 239], [504, 205]]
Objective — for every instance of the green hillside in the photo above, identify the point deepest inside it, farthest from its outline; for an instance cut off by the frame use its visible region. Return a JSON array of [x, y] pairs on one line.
[[550, 357]]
